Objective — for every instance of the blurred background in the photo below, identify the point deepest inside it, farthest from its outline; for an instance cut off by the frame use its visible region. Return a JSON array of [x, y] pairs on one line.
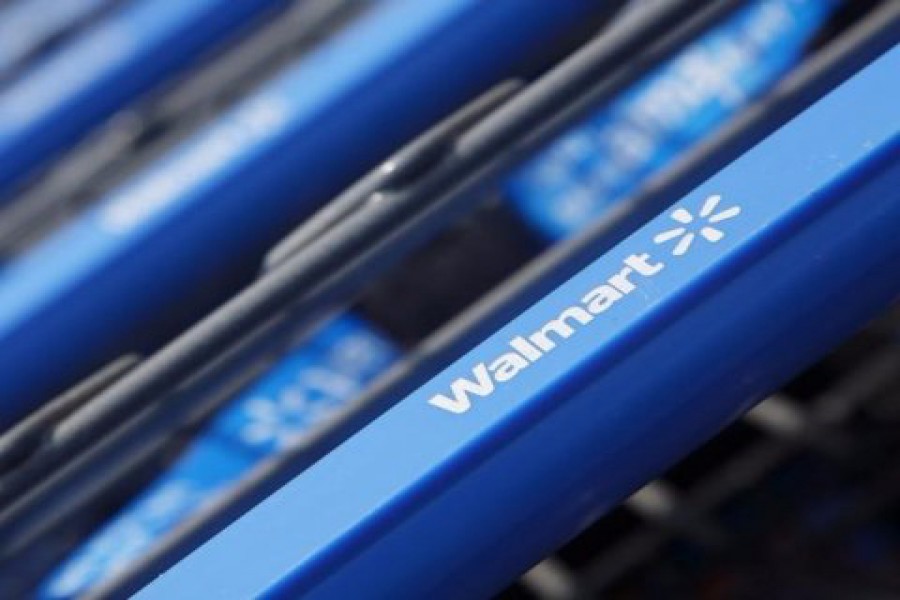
[[112, 112]]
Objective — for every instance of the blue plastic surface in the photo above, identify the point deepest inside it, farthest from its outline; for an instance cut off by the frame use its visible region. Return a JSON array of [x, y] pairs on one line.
[[135, 48], [792, 247], [598, 164], [328, 369], [26, 25], [245, 180]]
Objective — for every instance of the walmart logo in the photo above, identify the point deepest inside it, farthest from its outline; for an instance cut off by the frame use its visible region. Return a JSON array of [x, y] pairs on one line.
[[627, 278], [703, 225]]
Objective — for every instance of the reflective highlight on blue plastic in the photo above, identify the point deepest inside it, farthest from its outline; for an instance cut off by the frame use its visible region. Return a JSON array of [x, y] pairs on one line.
[[112, 63], [601, 162], [245, 180], [757, 272], [328, 369]]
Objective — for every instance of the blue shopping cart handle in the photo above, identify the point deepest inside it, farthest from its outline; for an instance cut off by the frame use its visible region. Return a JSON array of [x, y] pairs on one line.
[[69, 303], [601, 384], [122, 56], [312, 382], [26, 26]]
